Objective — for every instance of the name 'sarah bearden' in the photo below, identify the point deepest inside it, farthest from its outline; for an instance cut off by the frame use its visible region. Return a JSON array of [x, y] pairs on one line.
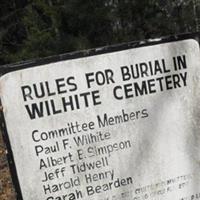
[[141, 72]]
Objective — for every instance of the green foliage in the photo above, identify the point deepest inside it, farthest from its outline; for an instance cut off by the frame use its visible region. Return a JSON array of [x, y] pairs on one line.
[[39, 28]]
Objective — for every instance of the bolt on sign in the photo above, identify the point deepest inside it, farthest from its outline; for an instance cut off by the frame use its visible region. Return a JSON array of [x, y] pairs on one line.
[[117, 123]]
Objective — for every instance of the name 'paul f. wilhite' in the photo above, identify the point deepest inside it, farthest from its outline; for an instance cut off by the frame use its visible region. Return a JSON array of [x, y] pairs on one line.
[[139, 79]]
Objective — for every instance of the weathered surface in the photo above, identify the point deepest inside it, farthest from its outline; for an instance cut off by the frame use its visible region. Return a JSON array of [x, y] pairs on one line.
[[152, 139], [6, 186]]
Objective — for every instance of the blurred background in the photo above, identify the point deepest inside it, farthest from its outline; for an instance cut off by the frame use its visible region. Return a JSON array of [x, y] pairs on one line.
[[38, 28]]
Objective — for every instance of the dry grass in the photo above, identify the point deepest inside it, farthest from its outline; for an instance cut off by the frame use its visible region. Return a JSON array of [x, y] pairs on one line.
[[6, 187]]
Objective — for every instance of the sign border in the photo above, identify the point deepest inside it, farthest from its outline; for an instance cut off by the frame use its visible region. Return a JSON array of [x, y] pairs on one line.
[[4, 69]]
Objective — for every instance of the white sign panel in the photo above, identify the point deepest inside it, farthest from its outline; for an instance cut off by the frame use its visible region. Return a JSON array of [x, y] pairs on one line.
[[117, 126]]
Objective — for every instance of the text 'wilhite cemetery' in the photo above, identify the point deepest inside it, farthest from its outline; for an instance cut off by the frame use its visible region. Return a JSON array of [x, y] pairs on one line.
[[166, 79], [121, 125]]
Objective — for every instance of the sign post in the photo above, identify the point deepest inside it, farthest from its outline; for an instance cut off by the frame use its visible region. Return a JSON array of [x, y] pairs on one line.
[[117, 125]]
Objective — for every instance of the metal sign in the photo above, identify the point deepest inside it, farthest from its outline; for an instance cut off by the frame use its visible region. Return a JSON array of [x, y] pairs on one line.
[[121, 124]]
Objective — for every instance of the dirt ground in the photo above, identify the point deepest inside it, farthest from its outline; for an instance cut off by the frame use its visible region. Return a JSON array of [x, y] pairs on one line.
[[6, 187]]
